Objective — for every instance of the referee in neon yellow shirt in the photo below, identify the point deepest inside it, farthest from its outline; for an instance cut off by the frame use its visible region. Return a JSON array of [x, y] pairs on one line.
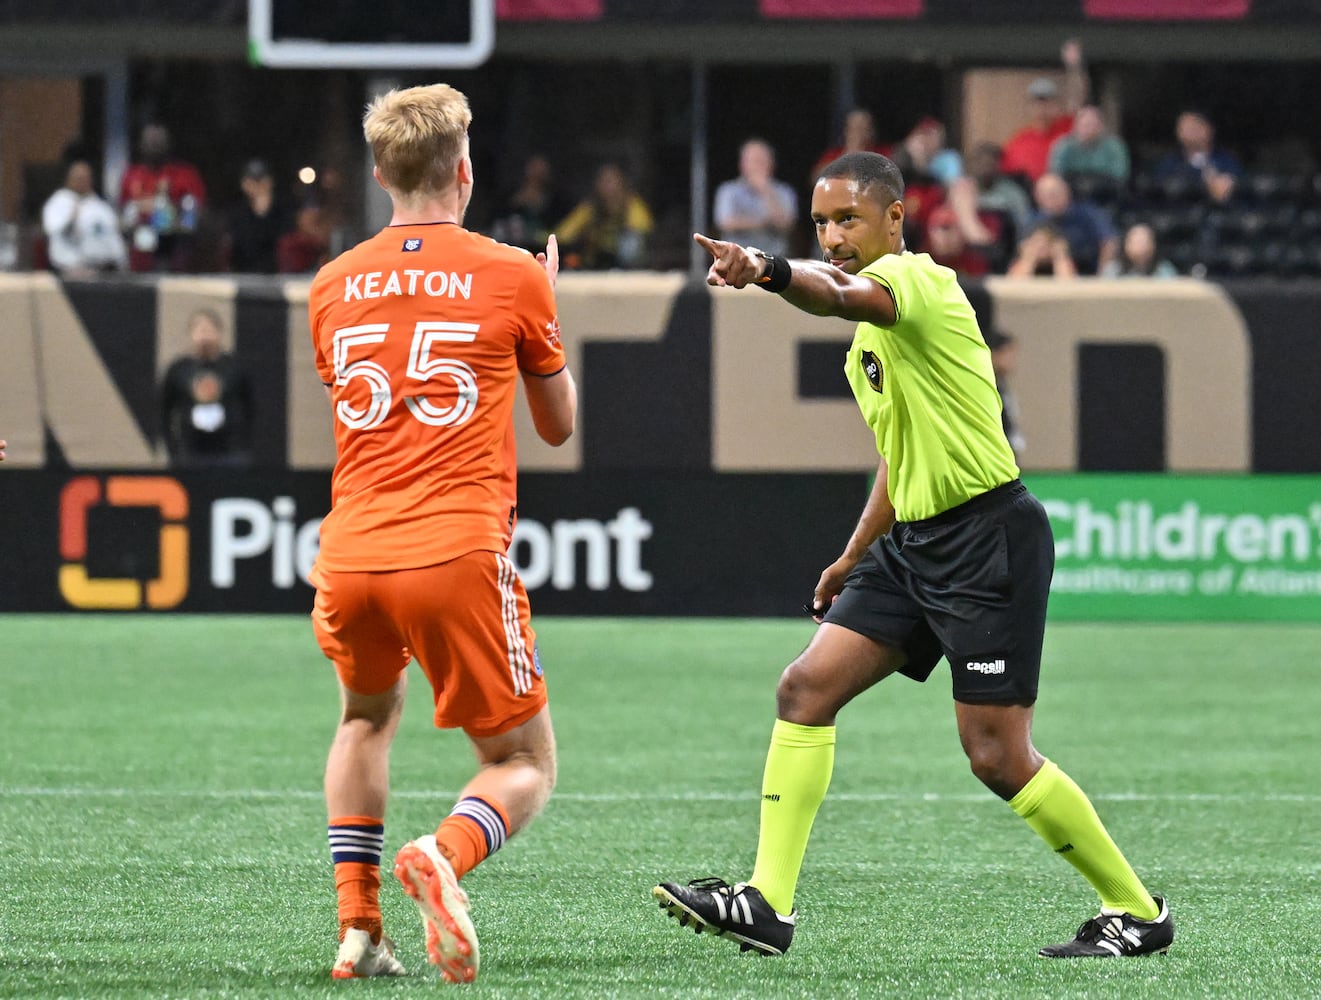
[[952, 557]]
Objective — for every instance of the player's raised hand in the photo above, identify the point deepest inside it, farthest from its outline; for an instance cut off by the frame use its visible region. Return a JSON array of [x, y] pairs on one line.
[[734, 265], [2, 451], [550, 259]]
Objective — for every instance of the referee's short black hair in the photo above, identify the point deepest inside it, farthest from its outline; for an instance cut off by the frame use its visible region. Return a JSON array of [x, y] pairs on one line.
[[869, 170]]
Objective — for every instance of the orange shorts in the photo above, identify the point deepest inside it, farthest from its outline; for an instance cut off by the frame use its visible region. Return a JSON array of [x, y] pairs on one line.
[[467, 621]]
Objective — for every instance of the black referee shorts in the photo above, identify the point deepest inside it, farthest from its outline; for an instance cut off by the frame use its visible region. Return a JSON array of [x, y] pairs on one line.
[[969, 584]]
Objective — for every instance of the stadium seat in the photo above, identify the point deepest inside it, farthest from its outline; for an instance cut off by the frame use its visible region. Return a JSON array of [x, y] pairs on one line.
[[1178, 189], [1174, 224], [1101, 190], [1144, 189], [1266, 187], [1184, 255], [1223, 224], [1307, 225], [1240, 260], [1251, 223], [1312, 260], [1293, 260]]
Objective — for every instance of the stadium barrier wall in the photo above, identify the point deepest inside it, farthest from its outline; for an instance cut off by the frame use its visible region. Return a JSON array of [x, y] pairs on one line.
[[1129, 547], [693, 401], [628, 543], [1180, 375]]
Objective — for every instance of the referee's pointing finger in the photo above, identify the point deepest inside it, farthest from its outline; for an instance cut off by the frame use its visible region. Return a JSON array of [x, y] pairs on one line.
[[712, 246]]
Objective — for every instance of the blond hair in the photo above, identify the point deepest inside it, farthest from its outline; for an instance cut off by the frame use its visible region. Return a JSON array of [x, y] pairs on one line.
[[418, 136]]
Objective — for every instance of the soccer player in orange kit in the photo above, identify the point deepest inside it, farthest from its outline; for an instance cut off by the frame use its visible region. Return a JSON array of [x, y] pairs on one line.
[[421, 334]]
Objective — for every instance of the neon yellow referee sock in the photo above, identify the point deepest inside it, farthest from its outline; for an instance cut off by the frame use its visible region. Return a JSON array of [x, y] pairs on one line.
[[1063, 817], [798, 767]]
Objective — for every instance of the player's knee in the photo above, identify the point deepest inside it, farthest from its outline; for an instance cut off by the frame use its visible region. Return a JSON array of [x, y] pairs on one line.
[[800, 699], [359, 727], [996, 766]]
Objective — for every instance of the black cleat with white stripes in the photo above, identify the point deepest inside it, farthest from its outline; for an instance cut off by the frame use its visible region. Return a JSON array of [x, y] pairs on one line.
[[738, 912], [1118, 935]]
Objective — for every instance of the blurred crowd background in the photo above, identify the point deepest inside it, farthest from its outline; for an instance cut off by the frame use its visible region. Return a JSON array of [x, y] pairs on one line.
[[136, 137]]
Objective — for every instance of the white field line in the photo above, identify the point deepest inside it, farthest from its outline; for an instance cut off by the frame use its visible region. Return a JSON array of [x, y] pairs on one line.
[[73, 792]]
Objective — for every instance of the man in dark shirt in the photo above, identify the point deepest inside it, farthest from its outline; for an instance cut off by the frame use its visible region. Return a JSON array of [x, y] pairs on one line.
[[206, 400], [257, 225]]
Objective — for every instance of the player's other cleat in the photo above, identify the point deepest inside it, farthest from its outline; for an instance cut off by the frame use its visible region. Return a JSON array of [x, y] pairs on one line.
[[426, 875], [1118, 935], [733, 911], [358, 958]]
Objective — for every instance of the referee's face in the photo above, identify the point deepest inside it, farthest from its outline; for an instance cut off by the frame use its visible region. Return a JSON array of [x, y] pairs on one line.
[[853, 228]]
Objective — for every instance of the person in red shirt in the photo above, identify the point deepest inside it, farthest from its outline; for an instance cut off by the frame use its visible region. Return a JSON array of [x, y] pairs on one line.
[[304, 248], [421, 336], [1026, 153], [161, 198], [947, 245]]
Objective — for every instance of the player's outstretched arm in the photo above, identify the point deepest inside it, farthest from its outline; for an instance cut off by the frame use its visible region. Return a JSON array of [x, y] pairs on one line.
[[813, 286], [553, 401]]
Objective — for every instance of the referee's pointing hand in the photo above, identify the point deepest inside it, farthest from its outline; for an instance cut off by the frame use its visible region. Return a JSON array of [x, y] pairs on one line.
[[734, 265]]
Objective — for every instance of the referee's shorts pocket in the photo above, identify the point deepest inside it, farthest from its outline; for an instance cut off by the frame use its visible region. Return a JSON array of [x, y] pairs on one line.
[[969, 558]]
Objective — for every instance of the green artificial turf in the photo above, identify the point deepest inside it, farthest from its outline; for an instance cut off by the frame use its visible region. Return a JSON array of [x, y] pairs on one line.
[[162, 832]]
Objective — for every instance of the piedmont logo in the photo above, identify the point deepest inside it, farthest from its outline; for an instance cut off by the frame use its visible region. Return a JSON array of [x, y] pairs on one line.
[[170, 584], [987, 666]]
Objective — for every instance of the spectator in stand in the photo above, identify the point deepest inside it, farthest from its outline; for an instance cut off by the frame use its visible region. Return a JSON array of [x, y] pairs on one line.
[[923, 153], [859, 136], [1198, 158], [926, 165], [257, 224], [608, 229], [946, 244], [755, 209], [1027, 152], [532, 208], [161, 198], [1090, 150], [330, 191], [992, 210], [206, 400], [82, 230], [1139, 257], [307, 247], [1087, 229], [1043, 253]]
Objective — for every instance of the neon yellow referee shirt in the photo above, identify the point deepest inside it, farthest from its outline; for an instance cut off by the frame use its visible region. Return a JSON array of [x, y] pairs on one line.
[[927, 390]]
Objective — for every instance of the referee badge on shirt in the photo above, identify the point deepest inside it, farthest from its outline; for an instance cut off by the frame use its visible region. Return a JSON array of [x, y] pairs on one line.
[[412, 244], [874, 370]]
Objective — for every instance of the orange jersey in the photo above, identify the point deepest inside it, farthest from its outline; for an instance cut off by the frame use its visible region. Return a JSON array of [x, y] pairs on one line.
[[421, 333]]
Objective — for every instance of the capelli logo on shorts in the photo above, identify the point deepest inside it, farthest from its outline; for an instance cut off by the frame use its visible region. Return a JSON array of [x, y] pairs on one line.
[[81, 501], [987, 666]]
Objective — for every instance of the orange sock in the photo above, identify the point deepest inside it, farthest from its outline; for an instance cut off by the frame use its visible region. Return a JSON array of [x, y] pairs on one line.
[[355, 848], [473, 831]]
